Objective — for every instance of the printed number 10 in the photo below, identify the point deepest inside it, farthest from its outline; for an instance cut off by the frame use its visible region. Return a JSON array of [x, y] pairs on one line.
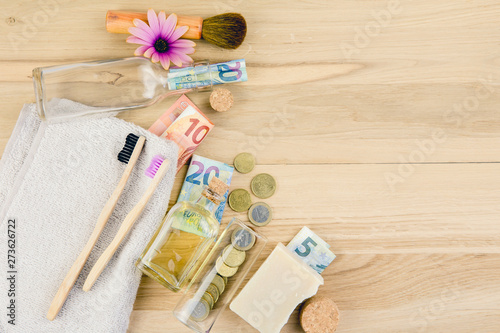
[[196, 135]]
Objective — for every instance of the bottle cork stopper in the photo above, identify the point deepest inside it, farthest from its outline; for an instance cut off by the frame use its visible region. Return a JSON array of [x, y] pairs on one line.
[[218, 186], [319, 314], [221, 99]]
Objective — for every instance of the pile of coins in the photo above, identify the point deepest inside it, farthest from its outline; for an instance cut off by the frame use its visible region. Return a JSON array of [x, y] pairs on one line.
[[227, 265], [262, 185]]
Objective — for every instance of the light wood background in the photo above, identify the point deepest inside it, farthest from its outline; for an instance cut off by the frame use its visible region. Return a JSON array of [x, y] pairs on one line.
[[384, 137]]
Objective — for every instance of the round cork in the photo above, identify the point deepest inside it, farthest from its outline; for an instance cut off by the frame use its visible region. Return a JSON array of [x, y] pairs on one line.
[[221, 99], [218, 186], [319, 314]]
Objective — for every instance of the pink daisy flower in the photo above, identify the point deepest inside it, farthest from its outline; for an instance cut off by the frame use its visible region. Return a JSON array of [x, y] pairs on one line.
[[160, 40]]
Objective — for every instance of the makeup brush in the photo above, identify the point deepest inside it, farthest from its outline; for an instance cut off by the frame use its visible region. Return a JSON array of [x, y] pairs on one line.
[[225, 30], [128, 155], [157, 170]]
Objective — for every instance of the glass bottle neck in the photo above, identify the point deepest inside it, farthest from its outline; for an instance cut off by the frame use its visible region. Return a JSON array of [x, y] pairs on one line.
[[206, 203]]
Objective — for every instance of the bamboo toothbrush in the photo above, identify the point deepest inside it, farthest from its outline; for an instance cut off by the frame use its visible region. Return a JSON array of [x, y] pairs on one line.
[[157, 170], [128, 155], [225, 30]]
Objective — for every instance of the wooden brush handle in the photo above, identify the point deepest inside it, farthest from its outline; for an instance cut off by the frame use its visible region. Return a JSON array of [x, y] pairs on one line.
[[75, 270], [125, 228], [118, 22]]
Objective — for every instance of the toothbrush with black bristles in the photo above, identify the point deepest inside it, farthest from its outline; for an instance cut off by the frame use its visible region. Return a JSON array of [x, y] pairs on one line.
[[157, 170], [128, 155]]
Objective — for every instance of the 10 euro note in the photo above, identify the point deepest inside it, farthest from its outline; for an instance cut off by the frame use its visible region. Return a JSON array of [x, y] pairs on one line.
[[188, 131], [313, 250]]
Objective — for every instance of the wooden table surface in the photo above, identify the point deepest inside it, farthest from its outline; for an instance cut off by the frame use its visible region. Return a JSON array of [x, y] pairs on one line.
[[379, 120]]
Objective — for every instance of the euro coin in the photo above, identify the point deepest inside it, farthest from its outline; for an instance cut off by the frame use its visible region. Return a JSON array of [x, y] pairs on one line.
[[224, 269], [242, 239], [213, 291], [200, 311], [244, 162], [223, 277], [210, 300], [263, 185], [233, 257], [239, 200], [218, 281], [260, 214]]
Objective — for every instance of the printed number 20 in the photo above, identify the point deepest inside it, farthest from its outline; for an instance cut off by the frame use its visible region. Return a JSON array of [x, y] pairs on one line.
[[306, 243], [193, 177]]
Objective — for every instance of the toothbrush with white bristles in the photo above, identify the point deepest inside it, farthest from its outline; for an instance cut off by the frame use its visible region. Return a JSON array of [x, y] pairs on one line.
[[157, 170]]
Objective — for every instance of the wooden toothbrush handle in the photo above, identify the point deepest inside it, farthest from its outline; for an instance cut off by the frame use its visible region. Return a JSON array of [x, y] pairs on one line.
[[75, 270], [125, 228], [118, 22]]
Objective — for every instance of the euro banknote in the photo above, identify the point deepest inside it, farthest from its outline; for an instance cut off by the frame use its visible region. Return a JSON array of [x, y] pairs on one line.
[[200, 172], [190, 77], [188, 131], [313, 250]]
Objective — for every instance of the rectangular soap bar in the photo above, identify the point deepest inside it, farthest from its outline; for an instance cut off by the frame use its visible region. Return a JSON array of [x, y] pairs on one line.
[[272, 294]]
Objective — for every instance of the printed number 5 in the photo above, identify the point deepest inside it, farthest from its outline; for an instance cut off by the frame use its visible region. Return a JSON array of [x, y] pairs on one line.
[[305, 244]]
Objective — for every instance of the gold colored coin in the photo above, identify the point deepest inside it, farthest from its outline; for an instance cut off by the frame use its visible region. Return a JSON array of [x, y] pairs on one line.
[[232, 256], [244, 162], [210, 300], [239, 200], [218, 281], [225, 279], [213, 291], [242, 239], [224, 269], [200, 311], [263, 185]]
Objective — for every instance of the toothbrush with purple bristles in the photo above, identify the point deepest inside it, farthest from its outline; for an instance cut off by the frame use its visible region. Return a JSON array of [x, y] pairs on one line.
[[156, 170]]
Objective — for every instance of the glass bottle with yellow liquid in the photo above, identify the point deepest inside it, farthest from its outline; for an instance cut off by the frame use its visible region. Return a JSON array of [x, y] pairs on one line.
[[183, 238]]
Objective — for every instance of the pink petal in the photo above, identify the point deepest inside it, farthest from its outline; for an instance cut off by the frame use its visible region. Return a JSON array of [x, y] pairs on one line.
[[165, 60], [175, 58], [149, 52], [141, 34], [184, 50], [162, 17], [169, 26], [178, 33], [153, 22], [137, 40], [155, 57], [183, 43], [185, 59], [143, 26], [141, 49]]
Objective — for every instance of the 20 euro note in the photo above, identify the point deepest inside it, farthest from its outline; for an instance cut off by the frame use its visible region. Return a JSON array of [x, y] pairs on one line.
[[313, 250], [188, 131], [190, 77], [200, 172]]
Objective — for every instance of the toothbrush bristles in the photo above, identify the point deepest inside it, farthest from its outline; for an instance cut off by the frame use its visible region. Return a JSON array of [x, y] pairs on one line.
[[154, 166], [130, 142]]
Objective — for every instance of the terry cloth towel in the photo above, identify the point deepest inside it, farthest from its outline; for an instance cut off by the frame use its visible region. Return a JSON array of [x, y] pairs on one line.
[[54, 181]]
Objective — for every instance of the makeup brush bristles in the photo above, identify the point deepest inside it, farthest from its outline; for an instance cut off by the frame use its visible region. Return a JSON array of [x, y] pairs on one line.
[[154, 166], [225, 30], [130, 142]]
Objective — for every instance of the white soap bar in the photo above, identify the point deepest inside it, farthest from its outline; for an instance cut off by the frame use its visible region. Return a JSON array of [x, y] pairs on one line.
[[281, 283]]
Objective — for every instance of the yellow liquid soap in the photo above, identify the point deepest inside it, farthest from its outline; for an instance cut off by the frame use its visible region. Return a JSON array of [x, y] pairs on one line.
[[182, 240]]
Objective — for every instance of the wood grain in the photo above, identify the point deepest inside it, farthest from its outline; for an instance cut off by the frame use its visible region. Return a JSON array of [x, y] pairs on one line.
[[379, 120]]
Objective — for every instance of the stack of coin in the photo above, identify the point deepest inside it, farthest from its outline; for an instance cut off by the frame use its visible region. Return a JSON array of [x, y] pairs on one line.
[[226, 265]]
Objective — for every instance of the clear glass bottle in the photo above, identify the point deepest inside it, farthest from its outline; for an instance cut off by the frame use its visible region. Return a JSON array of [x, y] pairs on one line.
[[183, 238], [110, 85]]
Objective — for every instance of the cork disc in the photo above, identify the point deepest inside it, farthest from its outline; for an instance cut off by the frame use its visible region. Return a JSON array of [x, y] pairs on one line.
[[221, 99], [319, 315]]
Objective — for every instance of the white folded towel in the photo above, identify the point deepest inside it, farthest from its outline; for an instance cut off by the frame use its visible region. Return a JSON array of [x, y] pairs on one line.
[[54, 182]]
